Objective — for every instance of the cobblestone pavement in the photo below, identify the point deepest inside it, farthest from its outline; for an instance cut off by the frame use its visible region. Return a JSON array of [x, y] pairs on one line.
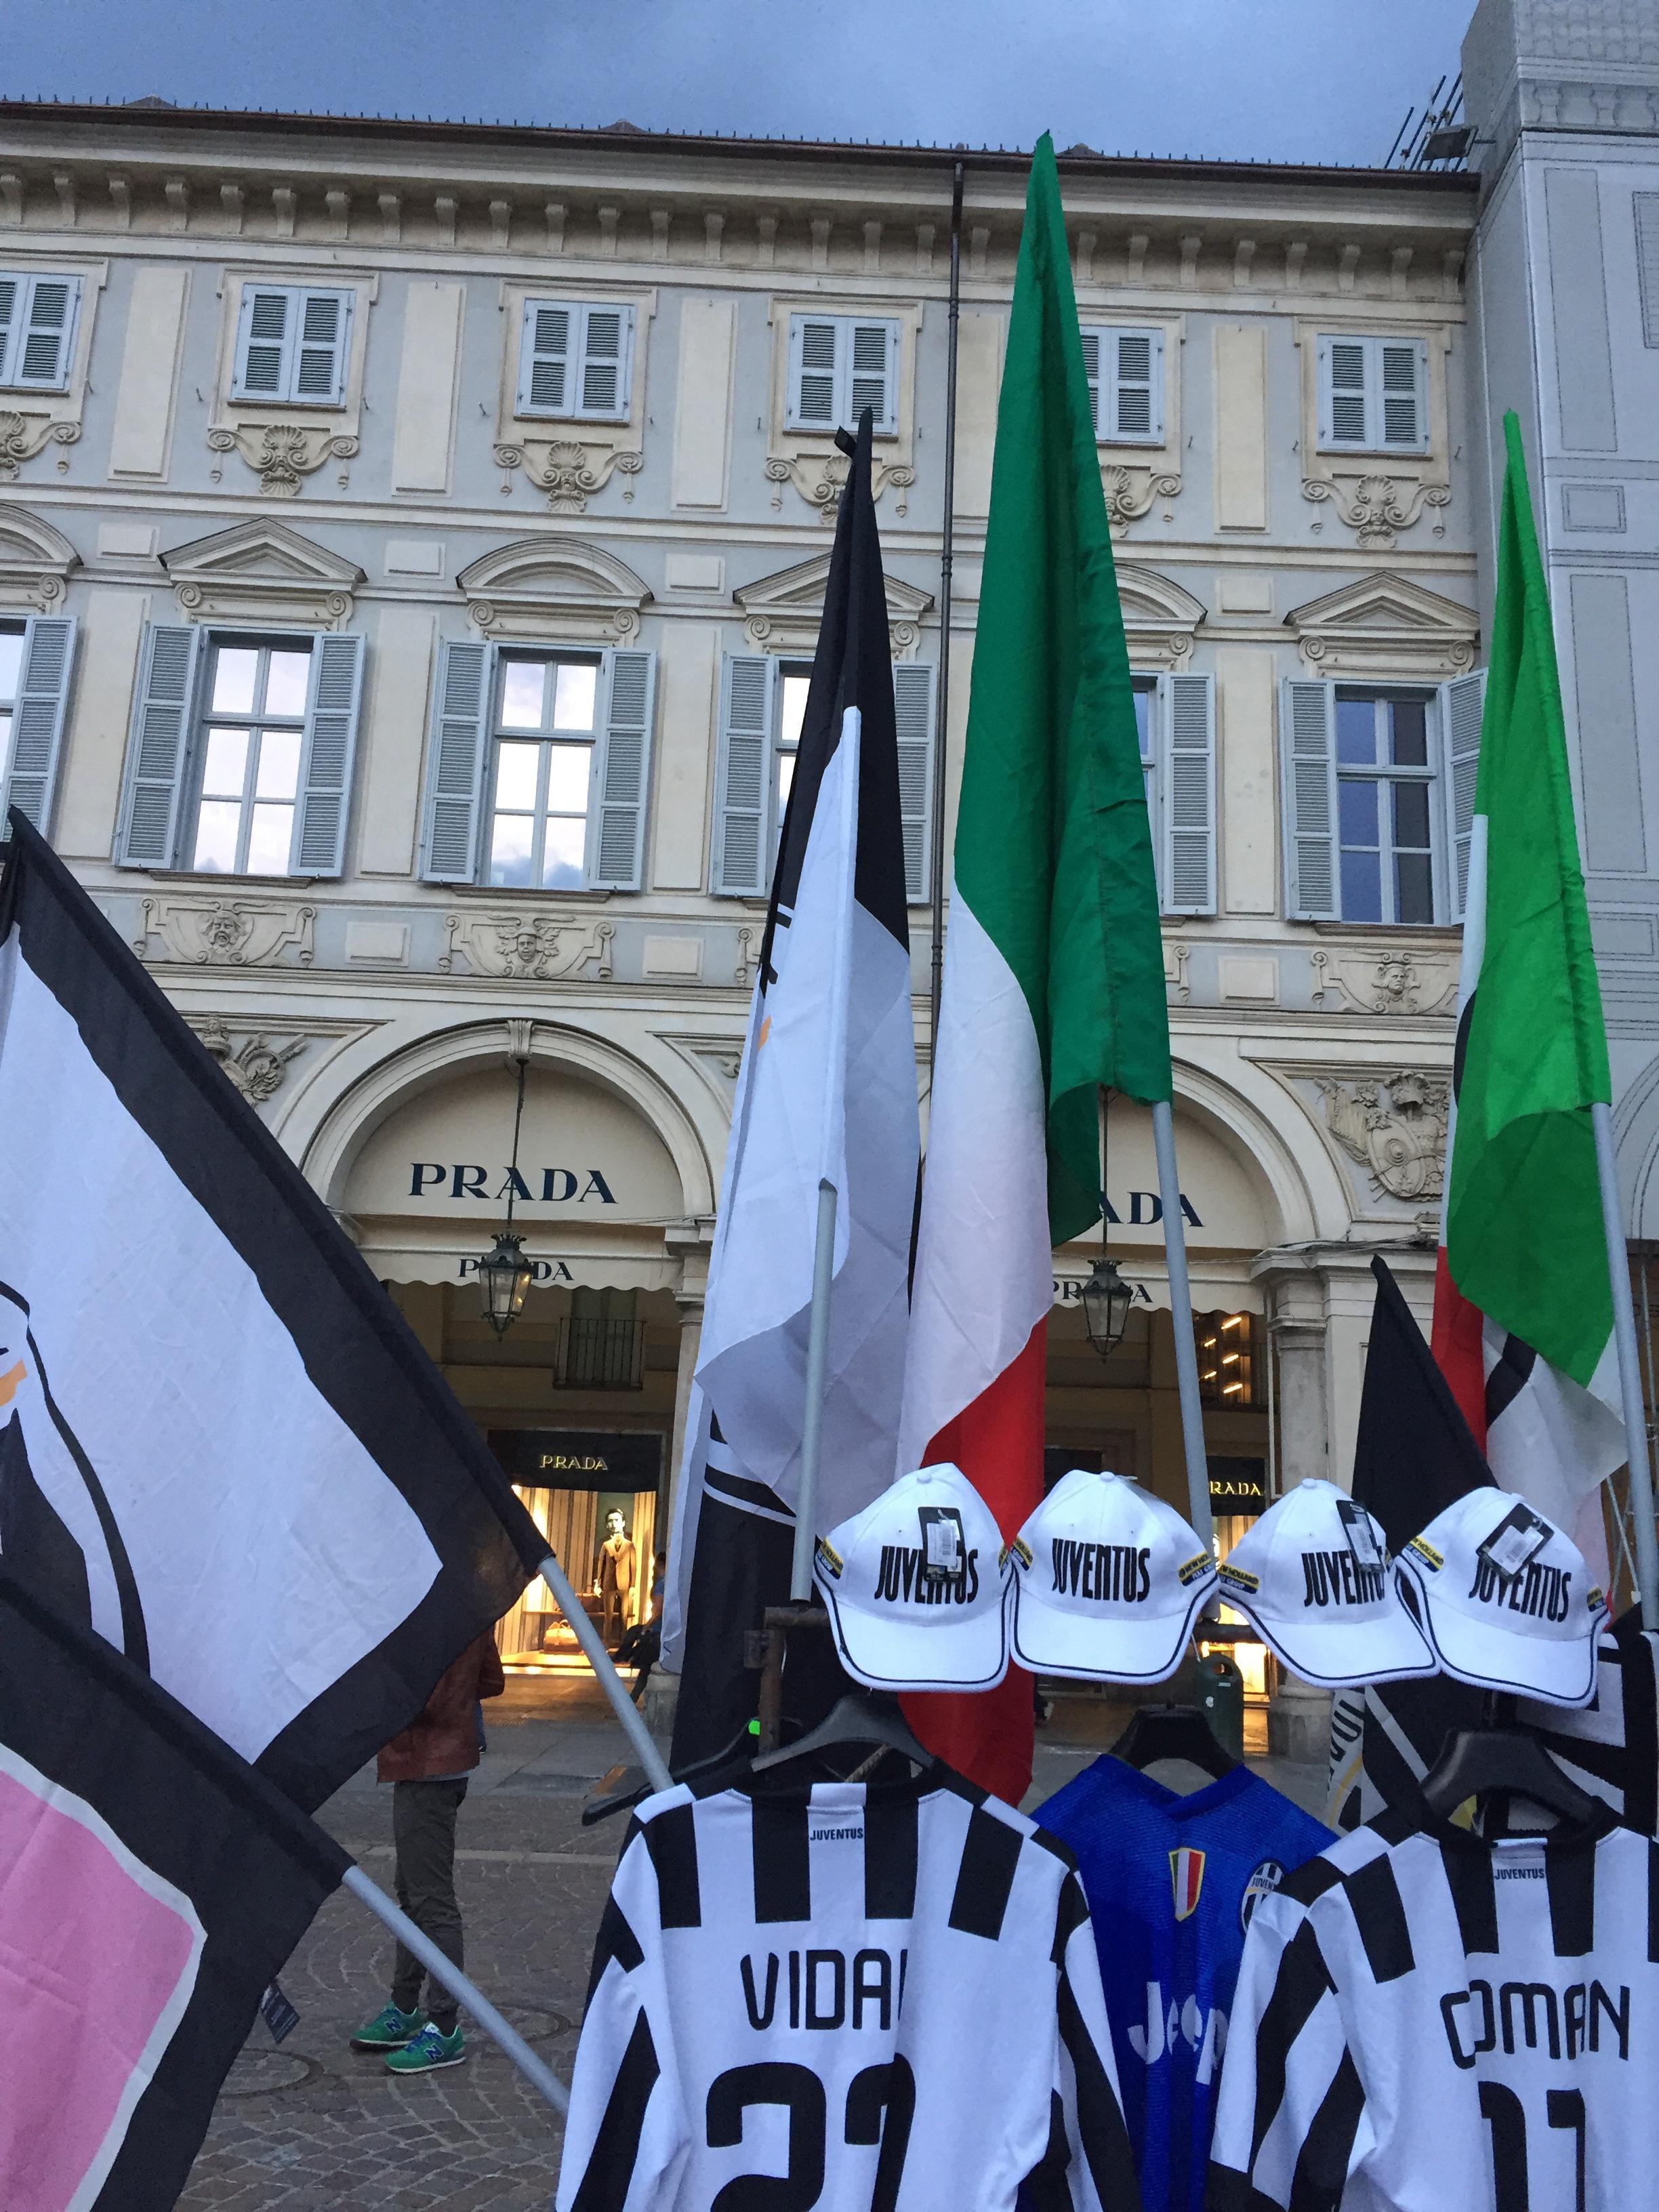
[[313, 2123]]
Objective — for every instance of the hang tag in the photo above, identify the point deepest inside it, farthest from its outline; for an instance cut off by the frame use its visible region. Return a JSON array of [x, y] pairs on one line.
[[1361, 1532], [280, 2018], [942, 1546], [1518, 1537]]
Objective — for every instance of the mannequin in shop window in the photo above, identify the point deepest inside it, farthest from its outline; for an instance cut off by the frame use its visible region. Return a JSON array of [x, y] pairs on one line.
[[619, 1576]]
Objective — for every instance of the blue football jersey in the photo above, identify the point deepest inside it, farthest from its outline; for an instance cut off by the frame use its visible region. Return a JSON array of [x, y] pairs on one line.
[[1171, 1882]]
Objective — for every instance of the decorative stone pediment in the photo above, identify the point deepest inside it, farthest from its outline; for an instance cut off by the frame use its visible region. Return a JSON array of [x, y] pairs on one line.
[[1386, 625], [36, 560], [261, 571], [782, 613], [556, 588], [1160, 616]]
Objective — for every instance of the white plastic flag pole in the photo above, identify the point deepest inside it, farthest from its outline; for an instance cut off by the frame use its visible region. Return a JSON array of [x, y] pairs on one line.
[[1181, 1311], [443, 1970], [817, 1356], [611, 1681], [1630, 1372]]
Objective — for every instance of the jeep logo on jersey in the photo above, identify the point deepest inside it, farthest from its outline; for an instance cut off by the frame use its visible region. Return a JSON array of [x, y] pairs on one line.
[[1185, 1880], [1187, 2022], [902, 1579], [1540, 1592], [1112, 1574], [1262, 1883], [1337, 1579]]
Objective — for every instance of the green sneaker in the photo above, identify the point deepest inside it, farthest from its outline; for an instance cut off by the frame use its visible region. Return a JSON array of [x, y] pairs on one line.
[[428, 2050], [389, 2030]]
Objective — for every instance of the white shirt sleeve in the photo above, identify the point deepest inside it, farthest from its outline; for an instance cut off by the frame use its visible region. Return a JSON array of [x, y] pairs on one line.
[[1100, 2166]]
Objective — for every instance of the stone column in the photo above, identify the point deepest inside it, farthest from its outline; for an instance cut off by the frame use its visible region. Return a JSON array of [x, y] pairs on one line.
[[1298, 1716]]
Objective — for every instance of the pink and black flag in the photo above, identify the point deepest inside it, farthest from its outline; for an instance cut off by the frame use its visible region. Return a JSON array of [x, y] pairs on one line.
[[151, 1885], [221, 1446]]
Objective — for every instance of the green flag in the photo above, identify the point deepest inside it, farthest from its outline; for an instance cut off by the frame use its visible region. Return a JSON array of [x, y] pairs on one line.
[[1053, 852], [1524, 1238]]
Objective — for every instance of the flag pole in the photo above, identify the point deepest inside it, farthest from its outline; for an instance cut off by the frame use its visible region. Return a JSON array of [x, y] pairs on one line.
[[611, 1681], [817, 1359], [1630, 1372], [1181, 1310], [465, 1992], [946, 568]]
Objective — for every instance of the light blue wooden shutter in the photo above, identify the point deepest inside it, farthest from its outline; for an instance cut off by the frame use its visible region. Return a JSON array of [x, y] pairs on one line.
[[815, 350], [872, 376], [1188, 778], [912, 714], [1461, 702], [37, 715], [622, 773], [1307, 754], [320, 353], [1345, 414], [47, 333], [544, 357], [1091, 350], [326, 757], [606, 345], [158, 748], [12, 290], [743, 778], [455, 767], [1402, 393], [263, 341]]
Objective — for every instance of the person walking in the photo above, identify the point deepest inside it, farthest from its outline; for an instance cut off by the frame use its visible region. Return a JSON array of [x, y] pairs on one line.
[[428, 1766]]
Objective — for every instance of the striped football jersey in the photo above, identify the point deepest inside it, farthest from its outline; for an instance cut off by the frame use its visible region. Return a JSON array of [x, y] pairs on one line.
[[844, 1994], [1425, 2018]]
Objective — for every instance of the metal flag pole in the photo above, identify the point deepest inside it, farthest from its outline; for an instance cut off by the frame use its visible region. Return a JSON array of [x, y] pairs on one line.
[[443, 1970], [1630, 1371], [1181, 1309], [611, 1681], [946, 568]]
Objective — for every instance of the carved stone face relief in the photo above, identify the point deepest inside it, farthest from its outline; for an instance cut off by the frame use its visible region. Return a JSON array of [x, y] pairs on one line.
[[1396, 1127], [256, 1067], [539, 947]]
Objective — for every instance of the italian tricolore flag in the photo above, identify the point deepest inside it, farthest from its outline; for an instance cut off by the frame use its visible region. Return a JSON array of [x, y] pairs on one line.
[[1523, 1305], [1054, 975]]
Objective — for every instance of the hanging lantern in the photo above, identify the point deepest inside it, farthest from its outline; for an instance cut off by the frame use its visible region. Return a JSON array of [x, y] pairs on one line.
[[505, 1276], [1106, 1301]]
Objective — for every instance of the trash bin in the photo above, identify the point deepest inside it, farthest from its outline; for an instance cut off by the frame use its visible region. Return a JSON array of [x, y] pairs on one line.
[[1217, 1690]]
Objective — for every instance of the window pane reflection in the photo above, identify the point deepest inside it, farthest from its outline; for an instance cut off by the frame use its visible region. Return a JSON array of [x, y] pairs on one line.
[[270, 838], [11, 664], [217, 823], [563, 853], [287, 682], [279, 765], [509, 849], [572, 698], [524, 684], [235, 667]]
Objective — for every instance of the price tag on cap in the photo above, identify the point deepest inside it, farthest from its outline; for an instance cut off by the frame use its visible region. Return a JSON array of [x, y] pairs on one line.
[[941, 1542], [1518, 1537], [1361, 1532]]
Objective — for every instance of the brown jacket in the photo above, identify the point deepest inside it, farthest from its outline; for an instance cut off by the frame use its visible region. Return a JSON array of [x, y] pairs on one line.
[[443, 1739]]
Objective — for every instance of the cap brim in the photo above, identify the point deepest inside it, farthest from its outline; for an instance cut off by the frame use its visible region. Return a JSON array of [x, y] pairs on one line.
[[1334, 1656], [1049, 1641], [942, 1654], [1491, 1658]]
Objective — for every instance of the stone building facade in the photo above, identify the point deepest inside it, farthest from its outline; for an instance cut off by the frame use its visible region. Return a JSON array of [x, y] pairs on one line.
[[410, 542]]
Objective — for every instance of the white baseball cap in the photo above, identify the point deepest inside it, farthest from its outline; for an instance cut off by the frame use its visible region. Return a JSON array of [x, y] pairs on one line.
[[1509, 1599], [1312, 1574], [1107, 1581], [916, 1585]]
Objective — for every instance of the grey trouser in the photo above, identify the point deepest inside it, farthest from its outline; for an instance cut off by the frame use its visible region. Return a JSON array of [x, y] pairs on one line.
[[423, 1832]]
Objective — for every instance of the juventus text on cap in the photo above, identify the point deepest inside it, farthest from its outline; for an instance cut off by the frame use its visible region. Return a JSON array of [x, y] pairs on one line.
[[1312, 1574], [1107, 1581], [1509, 1603], [916, 1587]]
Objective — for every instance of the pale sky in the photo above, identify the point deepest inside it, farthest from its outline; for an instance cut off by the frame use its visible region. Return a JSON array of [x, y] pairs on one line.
[[1274, 80]]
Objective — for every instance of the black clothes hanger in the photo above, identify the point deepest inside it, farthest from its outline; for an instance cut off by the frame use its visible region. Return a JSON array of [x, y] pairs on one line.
[[1172, 1732], [1473, 1762], [868, 1721]]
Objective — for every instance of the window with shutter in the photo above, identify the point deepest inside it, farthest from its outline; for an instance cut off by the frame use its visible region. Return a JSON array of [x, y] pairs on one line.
[[1373, 394], [455, 761], [839, 365], [158, 747], [576, 360], [742, 850], [912, 714], [328, 753], [1125, 370], [1308, 759], [623, 774], [292, 345], [1188, 806], [38, 317], [1461, 704], [36, 658]]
